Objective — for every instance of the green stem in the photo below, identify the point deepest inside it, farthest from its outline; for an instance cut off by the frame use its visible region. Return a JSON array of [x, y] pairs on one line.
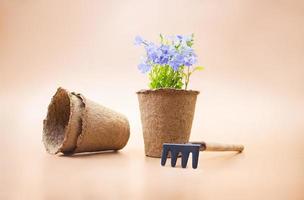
[[187, 78]]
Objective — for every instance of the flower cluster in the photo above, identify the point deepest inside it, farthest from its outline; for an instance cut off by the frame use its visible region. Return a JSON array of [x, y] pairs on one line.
[[170, 63], [174, 51]]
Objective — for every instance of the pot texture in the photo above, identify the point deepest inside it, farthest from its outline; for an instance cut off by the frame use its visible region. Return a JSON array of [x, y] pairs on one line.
[[166, 116], [76, 124]]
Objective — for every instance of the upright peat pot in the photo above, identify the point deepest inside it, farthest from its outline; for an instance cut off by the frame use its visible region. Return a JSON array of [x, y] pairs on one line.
[[166, 116]]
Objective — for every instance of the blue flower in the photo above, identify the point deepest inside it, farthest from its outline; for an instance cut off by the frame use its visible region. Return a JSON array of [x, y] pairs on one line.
[[175, 52], [144, 67], [190, 60], [189, 56], [167, 52], [177, 61], [180, 37], [138, 40], [153, 53], [182, 40]]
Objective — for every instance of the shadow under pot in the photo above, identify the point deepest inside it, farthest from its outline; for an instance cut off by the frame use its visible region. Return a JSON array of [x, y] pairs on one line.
[[166, 116]]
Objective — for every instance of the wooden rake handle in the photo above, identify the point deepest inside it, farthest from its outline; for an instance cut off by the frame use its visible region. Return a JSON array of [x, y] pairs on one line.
[[219, 147]]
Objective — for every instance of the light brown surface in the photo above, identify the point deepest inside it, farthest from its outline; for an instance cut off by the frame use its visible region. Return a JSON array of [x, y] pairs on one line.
[[251, 93]]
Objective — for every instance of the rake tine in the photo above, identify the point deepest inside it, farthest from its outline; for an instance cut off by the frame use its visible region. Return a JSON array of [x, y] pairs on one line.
[[195, 155], [164, 154], [174, 155], [185, 156]]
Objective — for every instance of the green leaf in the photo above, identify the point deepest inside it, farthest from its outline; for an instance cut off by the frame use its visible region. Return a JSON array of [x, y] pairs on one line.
[[161, 38], [198, 68], [165, 77]]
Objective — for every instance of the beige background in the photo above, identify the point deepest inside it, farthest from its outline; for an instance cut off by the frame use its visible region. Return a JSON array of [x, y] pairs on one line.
[[252, 92]]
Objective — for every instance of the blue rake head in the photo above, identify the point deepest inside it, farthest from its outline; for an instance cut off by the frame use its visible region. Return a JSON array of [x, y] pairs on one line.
[[181, 149]]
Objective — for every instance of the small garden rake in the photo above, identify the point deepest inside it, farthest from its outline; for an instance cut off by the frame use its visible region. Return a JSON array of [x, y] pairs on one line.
[[193, 147]]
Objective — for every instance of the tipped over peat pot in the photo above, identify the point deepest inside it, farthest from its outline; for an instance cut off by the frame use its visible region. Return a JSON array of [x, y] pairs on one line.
[[76, 124], [166, 116]]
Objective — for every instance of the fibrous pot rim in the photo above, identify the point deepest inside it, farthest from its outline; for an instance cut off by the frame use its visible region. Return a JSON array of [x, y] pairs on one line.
[[167, 91]]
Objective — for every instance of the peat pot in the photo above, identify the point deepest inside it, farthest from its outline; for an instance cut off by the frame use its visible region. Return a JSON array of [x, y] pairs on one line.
[[75, 124], [166, 116]]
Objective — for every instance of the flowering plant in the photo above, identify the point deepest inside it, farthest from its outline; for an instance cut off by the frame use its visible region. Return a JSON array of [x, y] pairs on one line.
[[169, 64]]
